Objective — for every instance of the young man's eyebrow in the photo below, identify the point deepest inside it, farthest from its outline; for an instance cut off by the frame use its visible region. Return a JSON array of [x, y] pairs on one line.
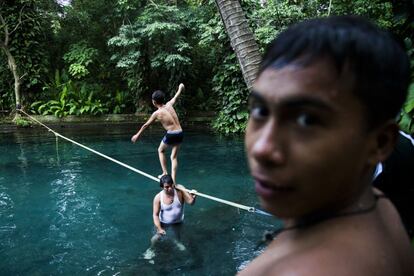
[[256, 96], [305, 102], [295, 102]]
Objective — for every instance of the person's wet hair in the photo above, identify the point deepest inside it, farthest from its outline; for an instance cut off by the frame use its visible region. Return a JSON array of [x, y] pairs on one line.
[[377, 64], [166, 179], [158, 96]]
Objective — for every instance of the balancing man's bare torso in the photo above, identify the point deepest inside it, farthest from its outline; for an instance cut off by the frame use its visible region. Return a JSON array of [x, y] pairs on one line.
[[168, 117]]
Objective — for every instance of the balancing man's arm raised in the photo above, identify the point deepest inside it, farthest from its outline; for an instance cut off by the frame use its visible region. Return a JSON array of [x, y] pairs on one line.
[[174, 99]]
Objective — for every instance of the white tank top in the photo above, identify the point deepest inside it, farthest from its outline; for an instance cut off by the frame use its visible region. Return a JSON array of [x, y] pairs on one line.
[[171, 213]]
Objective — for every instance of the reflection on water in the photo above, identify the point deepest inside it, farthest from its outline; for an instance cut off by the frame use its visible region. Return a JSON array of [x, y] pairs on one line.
[[7, 225], [64, 210]]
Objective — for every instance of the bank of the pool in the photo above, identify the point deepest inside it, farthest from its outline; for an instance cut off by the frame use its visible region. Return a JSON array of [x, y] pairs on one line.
[[189, 120]]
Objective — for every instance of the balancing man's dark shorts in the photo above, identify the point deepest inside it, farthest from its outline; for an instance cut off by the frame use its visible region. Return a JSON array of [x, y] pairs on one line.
[[173, 137]]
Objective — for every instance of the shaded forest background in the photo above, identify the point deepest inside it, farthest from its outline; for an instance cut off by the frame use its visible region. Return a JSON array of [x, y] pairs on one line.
[[107, 56]]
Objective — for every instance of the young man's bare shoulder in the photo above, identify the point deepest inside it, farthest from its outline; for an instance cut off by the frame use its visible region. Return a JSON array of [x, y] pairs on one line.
[[281, 261], [156, 113], [322, 257]]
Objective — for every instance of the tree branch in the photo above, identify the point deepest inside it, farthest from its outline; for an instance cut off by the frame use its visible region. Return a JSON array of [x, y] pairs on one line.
[[20, 20], [329, 8], [6, 31], [23, 76], [152, 2]]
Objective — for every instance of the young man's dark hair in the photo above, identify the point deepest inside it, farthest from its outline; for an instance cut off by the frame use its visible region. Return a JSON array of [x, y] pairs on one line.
[[378, 66], [158, 96], [166, 179]]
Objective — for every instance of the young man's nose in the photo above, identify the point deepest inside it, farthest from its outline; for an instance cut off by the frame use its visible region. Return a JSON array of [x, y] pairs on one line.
[[267, 147]]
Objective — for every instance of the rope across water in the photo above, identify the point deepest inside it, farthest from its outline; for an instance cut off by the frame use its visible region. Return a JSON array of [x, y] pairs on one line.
[[230, 203]]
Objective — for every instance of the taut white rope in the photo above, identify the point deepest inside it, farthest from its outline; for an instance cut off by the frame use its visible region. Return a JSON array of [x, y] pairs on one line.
[[237, 205]]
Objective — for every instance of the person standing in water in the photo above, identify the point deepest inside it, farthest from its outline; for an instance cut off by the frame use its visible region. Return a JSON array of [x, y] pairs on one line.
[[168, 213], [322, 116], [166, 114], [168, 207]]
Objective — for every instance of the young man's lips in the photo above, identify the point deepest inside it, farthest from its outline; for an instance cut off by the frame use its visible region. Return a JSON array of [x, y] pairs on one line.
[[268, 189]]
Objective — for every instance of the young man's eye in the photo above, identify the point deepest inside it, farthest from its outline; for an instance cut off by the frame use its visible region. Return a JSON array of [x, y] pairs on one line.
[[258, 112], [306, 120]]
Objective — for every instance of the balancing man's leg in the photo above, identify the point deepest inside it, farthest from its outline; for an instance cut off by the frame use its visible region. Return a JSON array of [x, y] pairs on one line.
[[174, 161], [161, 155]]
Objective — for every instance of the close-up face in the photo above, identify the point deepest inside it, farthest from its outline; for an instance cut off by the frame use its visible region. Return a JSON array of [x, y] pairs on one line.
[[306, 140]]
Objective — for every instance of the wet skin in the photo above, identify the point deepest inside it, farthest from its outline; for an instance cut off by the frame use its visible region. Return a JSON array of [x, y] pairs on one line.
[[307, 143]]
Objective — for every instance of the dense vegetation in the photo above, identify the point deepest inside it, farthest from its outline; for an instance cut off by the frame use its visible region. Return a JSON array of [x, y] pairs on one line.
[[107, 56]]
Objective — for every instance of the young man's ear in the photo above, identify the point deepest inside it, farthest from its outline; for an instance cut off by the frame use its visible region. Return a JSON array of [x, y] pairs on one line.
[[383, 141]]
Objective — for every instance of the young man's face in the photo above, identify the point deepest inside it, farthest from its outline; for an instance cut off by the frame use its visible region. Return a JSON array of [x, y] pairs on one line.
[[306, 140]]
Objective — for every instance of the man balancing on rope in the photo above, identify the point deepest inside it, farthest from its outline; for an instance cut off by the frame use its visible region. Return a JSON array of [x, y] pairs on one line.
[[321, 117], [168, 211], [166, 114]]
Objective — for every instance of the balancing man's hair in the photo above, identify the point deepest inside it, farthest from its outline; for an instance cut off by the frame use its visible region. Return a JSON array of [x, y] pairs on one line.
[[158, 96]]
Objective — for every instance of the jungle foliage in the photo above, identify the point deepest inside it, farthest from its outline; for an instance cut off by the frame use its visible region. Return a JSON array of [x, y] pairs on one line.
[[107, 56]]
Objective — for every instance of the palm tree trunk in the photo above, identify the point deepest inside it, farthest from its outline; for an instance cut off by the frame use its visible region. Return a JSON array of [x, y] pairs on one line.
[[241, 38]]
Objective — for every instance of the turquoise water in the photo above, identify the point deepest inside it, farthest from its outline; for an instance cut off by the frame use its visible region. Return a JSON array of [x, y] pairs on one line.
[[64, 210]]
